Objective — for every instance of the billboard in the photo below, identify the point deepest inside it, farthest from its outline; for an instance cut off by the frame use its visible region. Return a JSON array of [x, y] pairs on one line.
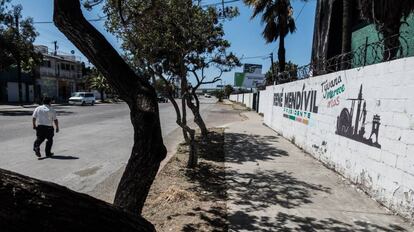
[[251, 77], [252, 68], [248, 80]]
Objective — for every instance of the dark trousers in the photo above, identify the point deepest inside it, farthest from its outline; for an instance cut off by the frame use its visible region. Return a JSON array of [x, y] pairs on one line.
[[42, 133]]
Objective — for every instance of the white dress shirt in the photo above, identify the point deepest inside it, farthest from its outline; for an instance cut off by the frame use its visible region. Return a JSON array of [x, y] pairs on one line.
[[44, 115]]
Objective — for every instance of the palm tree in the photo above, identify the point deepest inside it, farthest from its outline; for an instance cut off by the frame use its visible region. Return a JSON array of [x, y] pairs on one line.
[[277, 15], [388, 16], [97, 81]]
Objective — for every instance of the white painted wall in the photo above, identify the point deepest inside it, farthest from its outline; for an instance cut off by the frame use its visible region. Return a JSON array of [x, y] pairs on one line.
[[248, 100], [386, 172], [263, 101], [233, 97], [244, 98]]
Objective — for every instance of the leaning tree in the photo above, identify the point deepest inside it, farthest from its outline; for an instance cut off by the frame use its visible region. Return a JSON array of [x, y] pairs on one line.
[[32, 205], [134, 88], [184, 41]]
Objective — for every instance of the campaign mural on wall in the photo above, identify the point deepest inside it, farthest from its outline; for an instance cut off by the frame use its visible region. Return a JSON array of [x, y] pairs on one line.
[[331, 91], [351, 123], [355, 129], [297, 105]]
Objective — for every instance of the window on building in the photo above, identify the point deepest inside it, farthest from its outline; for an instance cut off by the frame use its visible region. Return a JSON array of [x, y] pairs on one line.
[[46, 63]]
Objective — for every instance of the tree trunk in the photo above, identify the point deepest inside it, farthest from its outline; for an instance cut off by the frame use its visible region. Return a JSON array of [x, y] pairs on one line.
[[188, 133], [390, 32], [148, 150], [147, 153], [19, 80], [346, 34], [35, 90], [281, 54], [195, 109], [32, 205], [102, 95], [192, 156]]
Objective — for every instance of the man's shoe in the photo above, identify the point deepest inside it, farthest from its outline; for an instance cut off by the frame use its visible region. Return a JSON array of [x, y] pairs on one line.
[[50, 154], [37, 152]]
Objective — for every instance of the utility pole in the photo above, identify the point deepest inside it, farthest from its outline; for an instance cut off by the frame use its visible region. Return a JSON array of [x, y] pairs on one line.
[[224, 11], [18, 60], [273, 69], [55, 52]]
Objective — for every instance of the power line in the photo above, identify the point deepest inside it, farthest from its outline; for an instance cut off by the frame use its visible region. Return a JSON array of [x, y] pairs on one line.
[[300, 12], [254, 57], [220, 3]]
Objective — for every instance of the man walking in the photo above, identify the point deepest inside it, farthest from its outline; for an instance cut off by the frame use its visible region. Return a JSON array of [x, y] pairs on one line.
[[43, 118]]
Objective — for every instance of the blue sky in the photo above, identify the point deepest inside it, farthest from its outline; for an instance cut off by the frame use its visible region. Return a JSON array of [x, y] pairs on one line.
[[243, 33]]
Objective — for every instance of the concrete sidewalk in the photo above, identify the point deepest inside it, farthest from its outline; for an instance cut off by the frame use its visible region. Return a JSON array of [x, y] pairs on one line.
[[274, 186]]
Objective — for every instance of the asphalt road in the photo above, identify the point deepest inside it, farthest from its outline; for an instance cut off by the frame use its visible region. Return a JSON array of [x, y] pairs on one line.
[[94, 143]]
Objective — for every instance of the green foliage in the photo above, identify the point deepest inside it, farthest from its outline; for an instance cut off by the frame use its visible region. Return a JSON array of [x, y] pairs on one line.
[[228, 89], [277, 15], [160, 86], [278, 18], [16, 44], [290, 73], [219, 94], [97, 81], [183, 39]]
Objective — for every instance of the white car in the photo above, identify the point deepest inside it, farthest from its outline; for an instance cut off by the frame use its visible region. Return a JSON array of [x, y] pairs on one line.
[[207, 95], [82, 98]]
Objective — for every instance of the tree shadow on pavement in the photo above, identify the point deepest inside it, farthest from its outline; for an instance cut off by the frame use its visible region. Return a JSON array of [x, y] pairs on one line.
[[262, 189], [253, 190], [213, 149], [28, 113], [215, 217], [293, 223], [211, 184], [59, 157], [15, 113], [243, 148], [210, 179]]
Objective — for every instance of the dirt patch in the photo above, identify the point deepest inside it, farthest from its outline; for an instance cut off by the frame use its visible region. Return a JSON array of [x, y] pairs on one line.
[[191, 200]]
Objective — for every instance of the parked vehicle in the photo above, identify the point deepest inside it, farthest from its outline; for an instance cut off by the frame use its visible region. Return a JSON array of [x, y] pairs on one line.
[[162, 99], [82, 98], [207, 95]]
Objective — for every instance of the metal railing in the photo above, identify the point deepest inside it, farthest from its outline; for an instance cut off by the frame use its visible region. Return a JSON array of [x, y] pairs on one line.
[[366, 54]]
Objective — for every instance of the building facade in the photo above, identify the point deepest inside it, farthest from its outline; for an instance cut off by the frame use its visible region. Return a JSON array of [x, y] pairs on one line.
[[9, 87], [59, 75]]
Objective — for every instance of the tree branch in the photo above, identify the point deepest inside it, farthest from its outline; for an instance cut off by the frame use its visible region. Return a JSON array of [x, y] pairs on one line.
[[28, 204], [70, 21]]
